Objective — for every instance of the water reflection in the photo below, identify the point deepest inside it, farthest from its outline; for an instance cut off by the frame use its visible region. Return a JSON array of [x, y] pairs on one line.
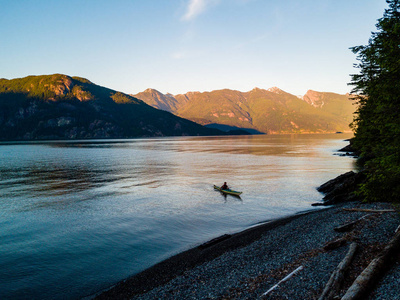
[[230, 197], [255, 145], [56, 179], [131, 203], [251, 144]]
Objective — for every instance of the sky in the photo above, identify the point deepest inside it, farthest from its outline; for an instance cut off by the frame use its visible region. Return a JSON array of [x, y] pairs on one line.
[[176, 46]]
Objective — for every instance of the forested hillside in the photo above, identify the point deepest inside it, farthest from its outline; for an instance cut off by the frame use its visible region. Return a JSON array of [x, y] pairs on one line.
[[377, 121], [62, 107]]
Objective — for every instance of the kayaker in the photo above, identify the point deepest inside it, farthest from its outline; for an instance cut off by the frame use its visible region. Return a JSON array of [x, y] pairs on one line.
[[224, 186]]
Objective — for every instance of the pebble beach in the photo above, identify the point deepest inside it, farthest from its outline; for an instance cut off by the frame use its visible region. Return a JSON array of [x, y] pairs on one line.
[[248, 264]]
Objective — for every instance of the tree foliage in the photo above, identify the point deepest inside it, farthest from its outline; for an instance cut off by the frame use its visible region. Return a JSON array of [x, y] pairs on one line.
[[377, 120]]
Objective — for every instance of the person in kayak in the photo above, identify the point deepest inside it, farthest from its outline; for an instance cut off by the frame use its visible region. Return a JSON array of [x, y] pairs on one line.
[[224, 186]]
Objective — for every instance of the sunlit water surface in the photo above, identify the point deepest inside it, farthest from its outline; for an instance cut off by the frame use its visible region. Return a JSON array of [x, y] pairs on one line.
[[76, 217]]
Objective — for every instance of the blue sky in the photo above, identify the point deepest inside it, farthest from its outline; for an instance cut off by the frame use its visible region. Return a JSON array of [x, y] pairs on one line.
[[178, 46]]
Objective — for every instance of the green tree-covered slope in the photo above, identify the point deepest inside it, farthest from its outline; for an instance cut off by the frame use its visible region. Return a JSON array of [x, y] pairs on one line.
[[377, 121], [62, 107]]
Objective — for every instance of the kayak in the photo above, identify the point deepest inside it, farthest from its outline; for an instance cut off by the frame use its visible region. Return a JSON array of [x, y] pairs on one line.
[[227, 191]]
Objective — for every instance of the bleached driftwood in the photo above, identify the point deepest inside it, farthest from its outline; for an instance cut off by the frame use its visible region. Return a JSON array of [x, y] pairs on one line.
[[371, 274], [283, 280], [369, 210], [349, 226], [336, 279]]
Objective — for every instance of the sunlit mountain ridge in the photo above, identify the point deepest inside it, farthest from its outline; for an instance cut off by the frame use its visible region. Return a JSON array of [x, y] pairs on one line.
[[268, 111]]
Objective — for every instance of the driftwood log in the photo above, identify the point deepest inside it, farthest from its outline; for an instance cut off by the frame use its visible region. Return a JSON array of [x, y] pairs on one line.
[[350, 225], [332, 287], [371, 274], [335, 244], [369, 210], [283, 280]]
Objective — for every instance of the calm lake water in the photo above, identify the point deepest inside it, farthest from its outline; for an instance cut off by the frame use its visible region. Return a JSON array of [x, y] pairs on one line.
[[76, 217]]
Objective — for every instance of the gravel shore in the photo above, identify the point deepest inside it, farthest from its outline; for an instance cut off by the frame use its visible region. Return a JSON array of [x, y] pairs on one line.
[[247, 264]]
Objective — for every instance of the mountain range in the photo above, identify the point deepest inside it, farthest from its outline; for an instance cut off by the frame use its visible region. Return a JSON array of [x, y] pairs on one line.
[[266, 111], [62, 107]]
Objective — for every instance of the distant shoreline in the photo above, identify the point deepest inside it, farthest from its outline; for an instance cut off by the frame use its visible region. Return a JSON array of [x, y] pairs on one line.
[[105, 140]]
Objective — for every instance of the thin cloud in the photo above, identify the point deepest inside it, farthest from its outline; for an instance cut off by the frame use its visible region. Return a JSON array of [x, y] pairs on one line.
[[197, 7], [179, 55]]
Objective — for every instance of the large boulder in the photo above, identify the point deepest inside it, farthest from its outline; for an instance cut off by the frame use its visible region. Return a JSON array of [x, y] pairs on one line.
[[342, 188]]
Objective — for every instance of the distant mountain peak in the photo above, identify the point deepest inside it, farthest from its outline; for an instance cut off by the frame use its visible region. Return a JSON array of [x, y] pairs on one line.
[[192, 93], [275, 90], [314, 98], [157, 99], [150, 90]]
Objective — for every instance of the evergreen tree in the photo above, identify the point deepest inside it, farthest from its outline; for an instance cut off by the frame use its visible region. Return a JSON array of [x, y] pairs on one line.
[[377, 120]]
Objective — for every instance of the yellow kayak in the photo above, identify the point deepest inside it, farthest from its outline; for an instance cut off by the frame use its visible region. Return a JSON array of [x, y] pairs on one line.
[[227, 191]]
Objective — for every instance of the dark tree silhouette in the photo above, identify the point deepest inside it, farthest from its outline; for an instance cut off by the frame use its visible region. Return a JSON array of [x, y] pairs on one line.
[[377, 120]]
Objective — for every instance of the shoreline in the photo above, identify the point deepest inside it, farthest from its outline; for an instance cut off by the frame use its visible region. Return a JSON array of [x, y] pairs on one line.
[[316, 247], [226, 267], [108, 140], [173, 266]]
